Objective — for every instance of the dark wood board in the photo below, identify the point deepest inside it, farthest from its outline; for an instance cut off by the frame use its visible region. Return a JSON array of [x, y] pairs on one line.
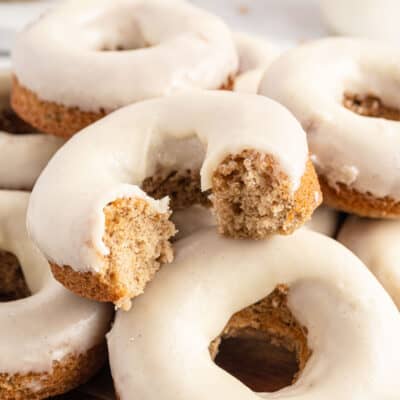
[[264, 368]]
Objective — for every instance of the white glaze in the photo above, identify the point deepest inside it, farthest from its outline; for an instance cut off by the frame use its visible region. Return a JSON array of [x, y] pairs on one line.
[[23, 157], [189, 48], [376, 242], [159, 349], [130, 143], [374, 19], [324, 220], [361, 152], [53, 322], [255, 55]]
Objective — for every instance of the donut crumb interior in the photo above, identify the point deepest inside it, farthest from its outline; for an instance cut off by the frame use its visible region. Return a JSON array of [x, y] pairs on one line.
[[262, 342], [12, 282], [137, 236], [370, 105], [252, 197]]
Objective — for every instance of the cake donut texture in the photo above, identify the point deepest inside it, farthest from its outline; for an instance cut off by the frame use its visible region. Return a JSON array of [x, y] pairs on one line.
[[109, 54], [53, 340], [345, 93], [255, 55], [341, 322], [23, 154], [376, 243], [248, 152]]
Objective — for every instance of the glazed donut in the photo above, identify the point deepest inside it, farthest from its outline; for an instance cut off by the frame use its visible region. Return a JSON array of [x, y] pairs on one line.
[[170, 331], [51, 341], [376, 243], [102, 55], [375, 19], [23, 155], [239, 143], [345, 93], [194, 218], [255, 55]]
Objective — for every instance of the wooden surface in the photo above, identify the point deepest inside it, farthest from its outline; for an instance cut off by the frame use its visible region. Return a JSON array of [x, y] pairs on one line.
[[261, 366]]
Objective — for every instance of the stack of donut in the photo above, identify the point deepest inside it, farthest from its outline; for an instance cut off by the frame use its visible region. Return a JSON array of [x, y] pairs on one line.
[[175, 169]]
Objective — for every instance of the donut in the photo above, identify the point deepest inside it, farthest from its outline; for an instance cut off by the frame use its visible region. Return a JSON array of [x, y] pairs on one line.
[[51, 341], [23, 154], [192, 219], [375, 243], [376, 19], [255, 55], [344, 93], [102, 55], [342, 325], [111, 205]]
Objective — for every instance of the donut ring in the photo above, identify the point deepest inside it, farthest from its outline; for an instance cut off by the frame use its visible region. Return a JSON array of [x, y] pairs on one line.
[[169, 48], [51, 341], [255, 56], [350, 111], [23, 155], [342, 306], [259, 185], [376, 244]]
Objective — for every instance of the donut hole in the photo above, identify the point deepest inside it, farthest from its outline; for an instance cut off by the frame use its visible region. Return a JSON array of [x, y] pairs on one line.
[[182, 187], [10, 122], [122, 47], [370, 105], [250, 195], [12, 282], [116, 28], [175, 172], [263, 345]]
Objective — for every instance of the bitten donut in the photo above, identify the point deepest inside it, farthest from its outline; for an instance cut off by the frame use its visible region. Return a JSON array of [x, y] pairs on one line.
[[53, 340], [255, 55], [23, 154], [345, 93], [101, 55], [377, 245], [305, 292], [112, 234]]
